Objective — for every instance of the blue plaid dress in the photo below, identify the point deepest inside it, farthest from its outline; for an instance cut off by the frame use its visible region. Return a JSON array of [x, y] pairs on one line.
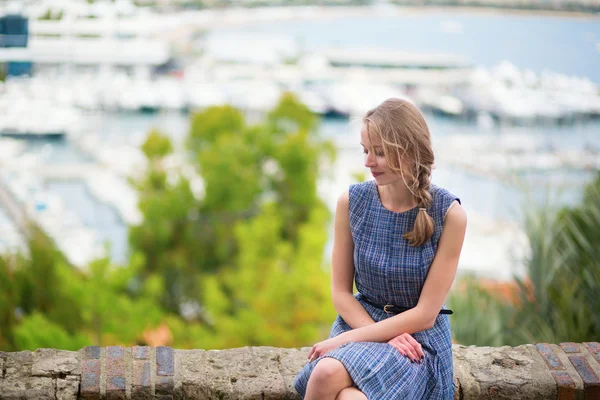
[[389, 270]]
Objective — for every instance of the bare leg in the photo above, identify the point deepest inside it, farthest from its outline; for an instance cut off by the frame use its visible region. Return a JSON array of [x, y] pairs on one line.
[[327, 380], [351, 393]]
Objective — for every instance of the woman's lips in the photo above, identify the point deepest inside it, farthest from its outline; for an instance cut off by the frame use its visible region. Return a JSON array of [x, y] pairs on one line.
[[376, 174]]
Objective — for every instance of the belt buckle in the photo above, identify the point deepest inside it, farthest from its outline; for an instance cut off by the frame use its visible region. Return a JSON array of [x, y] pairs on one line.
[[387, 307]]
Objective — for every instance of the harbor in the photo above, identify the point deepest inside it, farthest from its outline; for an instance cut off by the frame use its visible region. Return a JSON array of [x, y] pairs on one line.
[[94, 87]]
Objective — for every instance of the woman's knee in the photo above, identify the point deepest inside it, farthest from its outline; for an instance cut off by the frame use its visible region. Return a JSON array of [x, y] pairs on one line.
[[329, 370], [351, 393]]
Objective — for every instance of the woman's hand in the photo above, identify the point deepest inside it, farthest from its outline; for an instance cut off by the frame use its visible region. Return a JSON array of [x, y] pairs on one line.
[[325, 347], [408, 346]]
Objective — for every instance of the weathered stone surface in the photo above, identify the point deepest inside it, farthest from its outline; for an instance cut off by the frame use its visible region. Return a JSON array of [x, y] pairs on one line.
[[468, 387], [290, 392], [18, 364], [40, 388], [292, 360], [268, 373], [501, 373], [205, 375], [1, 365], [13, 388], [268, 383], [177, 382], [55, 363], [67, 389], [240, 373]]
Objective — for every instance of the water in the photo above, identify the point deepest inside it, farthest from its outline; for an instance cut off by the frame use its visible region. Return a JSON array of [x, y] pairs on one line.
[[96, 215], [560, 44], [565, 45], [485, 195]]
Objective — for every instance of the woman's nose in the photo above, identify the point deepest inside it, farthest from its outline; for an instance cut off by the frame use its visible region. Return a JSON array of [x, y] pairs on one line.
[[369, 160]]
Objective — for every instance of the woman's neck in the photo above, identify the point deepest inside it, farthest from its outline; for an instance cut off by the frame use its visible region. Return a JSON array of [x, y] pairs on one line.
[[397, 197]]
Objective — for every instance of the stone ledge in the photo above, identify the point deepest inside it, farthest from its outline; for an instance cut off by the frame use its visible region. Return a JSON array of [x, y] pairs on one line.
[[542, 371]]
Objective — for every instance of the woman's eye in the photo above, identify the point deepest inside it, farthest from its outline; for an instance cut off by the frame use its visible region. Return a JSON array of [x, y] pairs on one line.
[[379, 154]]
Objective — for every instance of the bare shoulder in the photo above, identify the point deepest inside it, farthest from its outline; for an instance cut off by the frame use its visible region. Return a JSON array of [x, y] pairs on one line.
[[344, 199], [456, 219], [342, 211]]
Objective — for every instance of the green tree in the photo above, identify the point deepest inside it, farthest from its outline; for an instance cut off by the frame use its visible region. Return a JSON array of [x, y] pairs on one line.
[[9, 300], [277, 293], [37, 331], [38, 278], [46, 302], [116, 307], [165, 237], [273, 288], [253, 243]]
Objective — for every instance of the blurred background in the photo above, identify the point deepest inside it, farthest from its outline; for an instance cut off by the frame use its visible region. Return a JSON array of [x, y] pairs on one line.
[[169, 168]]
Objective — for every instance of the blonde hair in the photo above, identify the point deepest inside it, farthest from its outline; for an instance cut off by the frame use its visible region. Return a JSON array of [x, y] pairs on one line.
[[407, 149]]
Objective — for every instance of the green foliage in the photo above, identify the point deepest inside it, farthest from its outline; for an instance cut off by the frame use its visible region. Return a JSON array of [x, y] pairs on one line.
[[208, 125], [31, 284], [291, 116], [111, 311], [45, 302], [241, 264], [264, 299], [50, 15], [157, 145], [582, 230], [9, 300], [479, 317], [37, 276], [37, 331], [165, 238], [257, 236], [557, 301]]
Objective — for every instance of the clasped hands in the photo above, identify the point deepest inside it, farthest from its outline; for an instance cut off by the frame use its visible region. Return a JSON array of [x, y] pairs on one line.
[[404, 343]]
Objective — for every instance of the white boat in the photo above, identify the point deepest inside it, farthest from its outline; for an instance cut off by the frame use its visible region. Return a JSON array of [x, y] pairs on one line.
[[25, 118]]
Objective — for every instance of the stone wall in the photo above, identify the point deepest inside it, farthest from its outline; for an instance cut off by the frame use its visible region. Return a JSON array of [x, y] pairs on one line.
[[542, 371]]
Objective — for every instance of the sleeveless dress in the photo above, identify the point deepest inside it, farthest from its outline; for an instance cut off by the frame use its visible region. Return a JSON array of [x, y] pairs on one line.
[[389, 270]]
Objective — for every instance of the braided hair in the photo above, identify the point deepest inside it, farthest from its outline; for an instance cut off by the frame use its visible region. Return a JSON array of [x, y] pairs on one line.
[[407, 149]]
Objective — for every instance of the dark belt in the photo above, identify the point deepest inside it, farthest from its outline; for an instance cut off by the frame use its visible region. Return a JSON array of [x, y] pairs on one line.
[[392, 309]]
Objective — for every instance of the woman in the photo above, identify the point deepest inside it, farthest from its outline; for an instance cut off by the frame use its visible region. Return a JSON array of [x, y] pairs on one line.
[[398, 237]]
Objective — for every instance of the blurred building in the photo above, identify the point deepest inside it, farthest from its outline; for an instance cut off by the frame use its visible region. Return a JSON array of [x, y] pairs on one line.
[[76, 34], [14, 33]]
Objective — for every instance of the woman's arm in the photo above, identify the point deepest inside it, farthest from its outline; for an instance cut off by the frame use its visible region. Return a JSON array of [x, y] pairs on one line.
[[343, 269], [437, 285]]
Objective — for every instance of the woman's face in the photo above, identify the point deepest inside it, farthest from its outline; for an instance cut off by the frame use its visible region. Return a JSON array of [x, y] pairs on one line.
[[375, 160]]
